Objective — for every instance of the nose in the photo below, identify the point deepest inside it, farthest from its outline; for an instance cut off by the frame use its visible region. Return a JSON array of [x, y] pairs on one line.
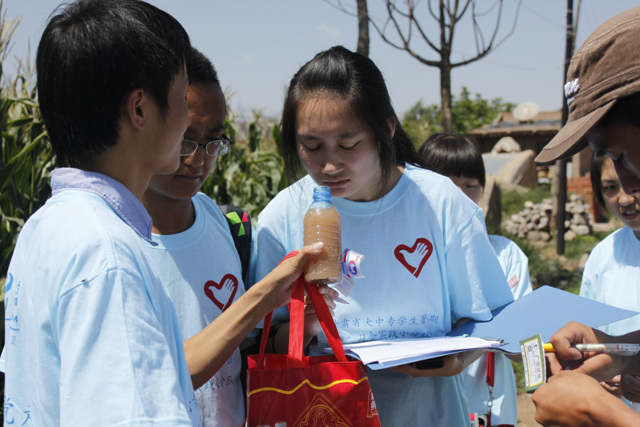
[[332, 163], [629, 182], [196, 159], [625, 199]]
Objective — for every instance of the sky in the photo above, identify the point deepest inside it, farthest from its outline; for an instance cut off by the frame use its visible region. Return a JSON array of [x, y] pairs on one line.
[[258, 45]]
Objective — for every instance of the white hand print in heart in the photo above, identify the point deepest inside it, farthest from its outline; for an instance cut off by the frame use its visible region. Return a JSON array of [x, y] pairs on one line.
[[414, 258], [222, 293]]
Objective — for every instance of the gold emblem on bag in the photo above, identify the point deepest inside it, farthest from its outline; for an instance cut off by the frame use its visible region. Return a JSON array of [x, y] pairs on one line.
[[322, 413]]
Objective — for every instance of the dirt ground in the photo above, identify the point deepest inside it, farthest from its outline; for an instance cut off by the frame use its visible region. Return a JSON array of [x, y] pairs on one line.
[[526, 411]]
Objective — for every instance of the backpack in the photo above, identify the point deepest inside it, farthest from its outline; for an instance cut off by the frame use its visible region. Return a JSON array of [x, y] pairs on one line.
[[240, 227]]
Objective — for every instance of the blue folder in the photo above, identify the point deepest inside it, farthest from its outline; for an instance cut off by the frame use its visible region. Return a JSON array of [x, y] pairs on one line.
[[543, 312]]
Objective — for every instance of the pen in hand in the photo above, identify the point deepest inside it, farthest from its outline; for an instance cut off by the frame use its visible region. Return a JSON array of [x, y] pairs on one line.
[[619, 349]]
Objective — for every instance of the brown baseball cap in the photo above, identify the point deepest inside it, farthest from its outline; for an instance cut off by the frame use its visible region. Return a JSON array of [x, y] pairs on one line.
[[604, 69]]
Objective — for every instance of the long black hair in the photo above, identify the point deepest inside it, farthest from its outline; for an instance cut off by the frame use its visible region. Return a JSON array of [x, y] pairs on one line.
[[354, 78], [597, 161]]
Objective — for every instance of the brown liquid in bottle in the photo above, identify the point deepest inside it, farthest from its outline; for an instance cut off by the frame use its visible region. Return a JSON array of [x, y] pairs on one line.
[[322, 224]]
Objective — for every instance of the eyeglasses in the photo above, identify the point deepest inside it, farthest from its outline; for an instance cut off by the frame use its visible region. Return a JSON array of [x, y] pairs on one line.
[[215, 147]]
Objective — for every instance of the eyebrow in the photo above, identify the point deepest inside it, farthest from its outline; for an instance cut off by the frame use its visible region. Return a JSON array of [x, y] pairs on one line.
[[219, 128], [306, 137], [342, 135]]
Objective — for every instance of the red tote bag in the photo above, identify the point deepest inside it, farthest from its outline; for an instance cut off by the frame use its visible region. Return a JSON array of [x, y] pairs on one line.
[[292, 390]]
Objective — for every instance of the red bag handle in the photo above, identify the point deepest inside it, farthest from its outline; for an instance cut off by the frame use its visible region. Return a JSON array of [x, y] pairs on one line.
[[296, 326], [265, 337], [267, 322], [491, 369], [326, 321]]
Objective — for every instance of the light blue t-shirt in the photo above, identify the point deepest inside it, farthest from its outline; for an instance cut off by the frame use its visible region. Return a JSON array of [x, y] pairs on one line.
[[91, 337], [504, 410], [202, 274], [428, 264], [612, 276]]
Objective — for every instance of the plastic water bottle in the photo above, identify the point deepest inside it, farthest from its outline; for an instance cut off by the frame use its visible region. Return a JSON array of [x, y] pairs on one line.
[[322, 224]]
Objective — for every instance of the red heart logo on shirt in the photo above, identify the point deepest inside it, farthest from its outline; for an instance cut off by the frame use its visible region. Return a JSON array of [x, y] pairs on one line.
[[222, 293], [415, 257]]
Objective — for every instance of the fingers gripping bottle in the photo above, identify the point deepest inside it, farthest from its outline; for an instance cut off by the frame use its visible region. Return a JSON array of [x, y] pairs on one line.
[[322, 224]]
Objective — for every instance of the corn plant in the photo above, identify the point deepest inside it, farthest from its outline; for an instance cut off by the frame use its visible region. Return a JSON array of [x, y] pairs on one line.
[[252, 172], [26, 158], [25, 164]]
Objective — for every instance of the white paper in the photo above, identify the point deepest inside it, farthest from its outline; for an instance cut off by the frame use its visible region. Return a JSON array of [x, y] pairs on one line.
[[388, 353]]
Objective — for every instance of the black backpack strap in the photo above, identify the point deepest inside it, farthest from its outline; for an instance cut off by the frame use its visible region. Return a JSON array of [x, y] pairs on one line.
[[240, 227]]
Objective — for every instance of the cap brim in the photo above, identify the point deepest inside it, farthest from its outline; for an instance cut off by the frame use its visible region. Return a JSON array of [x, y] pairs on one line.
[[570, 138]]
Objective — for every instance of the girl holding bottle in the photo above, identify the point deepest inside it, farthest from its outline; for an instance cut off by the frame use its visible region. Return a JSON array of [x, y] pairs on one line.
[[427, 259]]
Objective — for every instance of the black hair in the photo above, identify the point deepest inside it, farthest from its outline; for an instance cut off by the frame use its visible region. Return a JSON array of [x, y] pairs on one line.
[[597, 161], [354, 78], [92, 54], [452, 154], [200, 69], [626, 110]]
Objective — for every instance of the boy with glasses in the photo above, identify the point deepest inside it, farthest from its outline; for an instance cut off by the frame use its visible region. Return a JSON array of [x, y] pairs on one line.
[[194, 252]]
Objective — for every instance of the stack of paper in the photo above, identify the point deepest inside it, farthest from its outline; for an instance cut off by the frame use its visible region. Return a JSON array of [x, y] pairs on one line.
[[388, 353]]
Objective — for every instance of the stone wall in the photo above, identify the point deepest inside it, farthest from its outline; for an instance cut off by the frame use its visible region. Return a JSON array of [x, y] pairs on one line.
[[534, 221]]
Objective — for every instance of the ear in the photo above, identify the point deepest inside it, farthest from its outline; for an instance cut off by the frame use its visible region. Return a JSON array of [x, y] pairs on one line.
[[392, 127], [134, 108]]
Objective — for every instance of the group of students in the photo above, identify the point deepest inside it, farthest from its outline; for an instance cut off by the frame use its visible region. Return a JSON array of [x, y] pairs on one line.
[[125, 292]]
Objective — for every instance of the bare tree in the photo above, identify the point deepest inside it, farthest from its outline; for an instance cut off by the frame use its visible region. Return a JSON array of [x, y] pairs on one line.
[[405, 28], [363, 27]]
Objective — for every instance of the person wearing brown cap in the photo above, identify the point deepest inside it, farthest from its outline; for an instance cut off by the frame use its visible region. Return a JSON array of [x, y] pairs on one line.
[[603, 94]]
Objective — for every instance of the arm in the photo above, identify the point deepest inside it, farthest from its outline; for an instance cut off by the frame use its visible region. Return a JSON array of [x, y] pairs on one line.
[[208, 350], [572, 399]]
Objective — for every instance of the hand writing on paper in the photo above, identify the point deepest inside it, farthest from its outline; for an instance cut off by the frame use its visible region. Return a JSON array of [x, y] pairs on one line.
[[601, 366]]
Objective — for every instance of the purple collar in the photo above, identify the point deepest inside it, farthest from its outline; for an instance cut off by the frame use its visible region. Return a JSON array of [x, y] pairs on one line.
[[126, 205]]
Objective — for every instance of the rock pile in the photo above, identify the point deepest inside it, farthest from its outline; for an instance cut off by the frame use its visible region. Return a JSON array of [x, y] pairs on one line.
[[534, 222]]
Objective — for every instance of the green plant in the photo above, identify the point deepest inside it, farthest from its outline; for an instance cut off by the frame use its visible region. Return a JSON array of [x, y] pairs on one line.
[[580, 245], [26, 159], [25, 165], [518, 371], [468, 113], [252, 173]]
